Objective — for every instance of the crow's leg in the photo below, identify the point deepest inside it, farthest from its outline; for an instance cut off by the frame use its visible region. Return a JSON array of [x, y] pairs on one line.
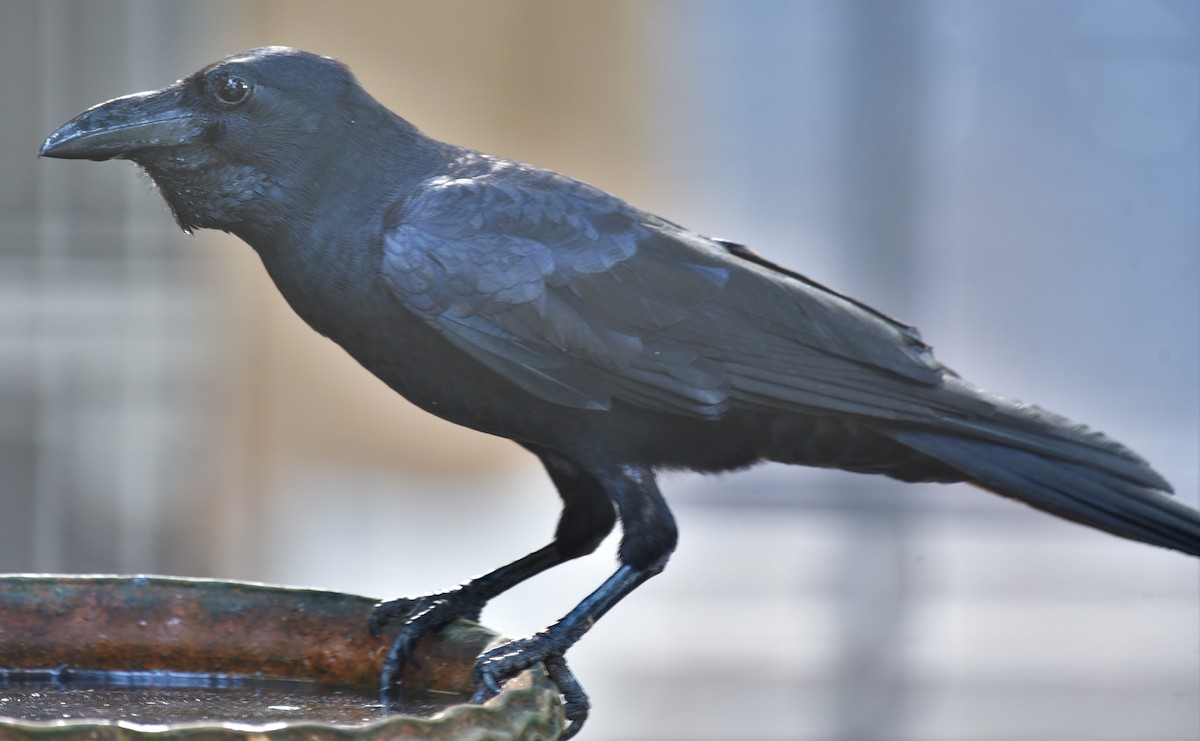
[[587, 517], [649, 538]]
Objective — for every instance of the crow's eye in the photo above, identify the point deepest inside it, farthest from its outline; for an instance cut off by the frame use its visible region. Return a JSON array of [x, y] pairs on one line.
[[231, 90]]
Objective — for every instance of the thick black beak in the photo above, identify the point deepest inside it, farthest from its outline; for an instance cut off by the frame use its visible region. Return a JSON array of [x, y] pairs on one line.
[[124, 126]]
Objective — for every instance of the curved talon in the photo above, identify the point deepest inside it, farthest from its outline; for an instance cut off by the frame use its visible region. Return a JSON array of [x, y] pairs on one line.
[[506, 661], [420, 615], [486, 689], [497, 665], [502, 663], [401, 652], [575, 701], [490, 682]]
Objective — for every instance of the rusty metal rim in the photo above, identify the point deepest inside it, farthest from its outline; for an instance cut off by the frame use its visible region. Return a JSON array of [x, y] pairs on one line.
[[232, 627]]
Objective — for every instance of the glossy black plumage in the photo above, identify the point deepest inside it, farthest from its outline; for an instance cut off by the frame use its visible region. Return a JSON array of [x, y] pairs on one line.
[[607, 341]]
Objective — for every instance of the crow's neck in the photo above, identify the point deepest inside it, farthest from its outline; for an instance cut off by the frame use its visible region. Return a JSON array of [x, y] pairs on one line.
[[322, 245]]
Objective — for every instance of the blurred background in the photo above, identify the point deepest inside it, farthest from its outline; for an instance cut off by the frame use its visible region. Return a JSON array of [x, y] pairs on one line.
[[1019, 179]]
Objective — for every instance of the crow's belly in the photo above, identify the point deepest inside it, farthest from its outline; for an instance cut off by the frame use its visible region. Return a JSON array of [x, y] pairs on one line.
[[437, 377]]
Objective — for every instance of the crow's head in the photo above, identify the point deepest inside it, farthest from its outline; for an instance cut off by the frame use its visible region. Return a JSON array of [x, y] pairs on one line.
[[247, 140]]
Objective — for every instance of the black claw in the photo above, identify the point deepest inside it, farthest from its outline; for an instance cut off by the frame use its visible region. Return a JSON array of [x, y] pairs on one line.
[[481, 695], [400, 654], [493, 687], [506, 661], [420, 616], [575, 701]]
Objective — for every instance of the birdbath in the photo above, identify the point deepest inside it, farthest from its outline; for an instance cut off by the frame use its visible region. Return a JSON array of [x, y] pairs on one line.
[[121, 658]]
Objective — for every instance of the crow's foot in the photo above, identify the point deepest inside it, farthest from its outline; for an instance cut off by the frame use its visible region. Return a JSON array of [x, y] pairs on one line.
[[504, 662], [419, 615]]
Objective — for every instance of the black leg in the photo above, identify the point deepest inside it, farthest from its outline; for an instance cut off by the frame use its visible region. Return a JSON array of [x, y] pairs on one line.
[[588, 516], [649, 538]]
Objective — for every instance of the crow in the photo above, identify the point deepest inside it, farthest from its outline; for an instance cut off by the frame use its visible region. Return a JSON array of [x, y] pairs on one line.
[[609, 342]]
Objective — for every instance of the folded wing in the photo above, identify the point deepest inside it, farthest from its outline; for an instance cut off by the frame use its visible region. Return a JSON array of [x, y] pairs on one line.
[[580, 299]]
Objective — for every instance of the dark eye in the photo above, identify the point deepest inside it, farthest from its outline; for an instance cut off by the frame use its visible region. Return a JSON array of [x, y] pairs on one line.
[[231, 89]]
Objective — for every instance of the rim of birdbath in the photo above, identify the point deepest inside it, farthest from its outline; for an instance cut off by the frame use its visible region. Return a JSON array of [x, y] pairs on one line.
[[232, 629]]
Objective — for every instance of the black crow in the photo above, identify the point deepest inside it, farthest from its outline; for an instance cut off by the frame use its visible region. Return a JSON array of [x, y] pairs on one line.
[[607, 341]]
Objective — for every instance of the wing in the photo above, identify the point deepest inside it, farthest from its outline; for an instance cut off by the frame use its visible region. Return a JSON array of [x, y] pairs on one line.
[[579, 299]]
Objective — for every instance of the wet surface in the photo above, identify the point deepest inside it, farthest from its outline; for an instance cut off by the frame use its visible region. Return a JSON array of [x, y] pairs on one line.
[[154, 698]]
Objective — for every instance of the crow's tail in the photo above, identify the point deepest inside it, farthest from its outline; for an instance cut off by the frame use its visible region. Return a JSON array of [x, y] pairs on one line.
[[1062, 468]]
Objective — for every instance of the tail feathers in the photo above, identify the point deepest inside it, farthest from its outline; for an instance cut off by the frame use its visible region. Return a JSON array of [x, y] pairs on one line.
[[1109, 488], [1027, 427]]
